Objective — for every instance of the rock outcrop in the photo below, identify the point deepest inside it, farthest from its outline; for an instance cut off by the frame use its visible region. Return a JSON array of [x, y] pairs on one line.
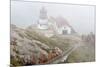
[[27, 49]]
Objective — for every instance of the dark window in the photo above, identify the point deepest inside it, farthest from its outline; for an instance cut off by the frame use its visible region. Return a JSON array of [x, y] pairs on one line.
[[65, 32]]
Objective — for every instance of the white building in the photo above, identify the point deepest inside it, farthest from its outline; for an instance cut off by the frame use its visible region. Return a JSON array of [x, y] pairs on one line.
[[62, 26], [50, 26], [64, 30]]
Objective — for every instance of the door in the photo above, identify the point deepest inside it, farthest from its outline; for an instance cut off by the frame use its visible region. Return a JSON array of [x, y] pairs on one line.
[[64, 32]]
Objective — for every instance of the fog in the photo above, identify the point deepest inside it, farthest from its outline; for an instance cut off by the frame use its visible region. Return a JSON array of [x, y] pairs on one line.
[[80, 17]]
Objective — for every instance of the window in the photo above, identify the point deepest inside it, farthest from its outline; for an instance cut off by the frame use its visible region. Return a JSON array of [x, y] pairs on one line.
[[64, 32]]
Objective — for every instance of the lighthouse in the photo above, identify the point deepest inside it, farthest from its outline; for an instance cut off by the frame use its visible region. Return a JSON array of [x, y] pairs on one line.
[[43, 19]]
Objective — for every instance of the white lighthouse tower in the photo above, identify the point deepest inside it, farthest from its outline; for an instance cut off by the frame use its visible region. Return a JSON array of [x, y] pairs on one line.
[[43, 19]]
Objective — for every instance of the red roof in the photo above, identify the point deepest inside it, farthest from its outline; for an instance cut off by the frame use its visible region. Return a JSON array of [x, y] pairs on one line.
[[61, 22]]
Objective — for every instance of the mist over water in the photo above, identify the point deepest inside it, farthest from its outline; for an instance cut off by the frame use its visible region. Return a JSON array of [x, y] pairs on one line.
[[81, 18]]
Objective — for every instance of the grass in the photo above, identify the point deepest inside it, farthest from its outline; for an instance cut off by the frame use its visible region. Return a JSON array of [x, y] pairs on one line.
[[51, 42], [82, 54]]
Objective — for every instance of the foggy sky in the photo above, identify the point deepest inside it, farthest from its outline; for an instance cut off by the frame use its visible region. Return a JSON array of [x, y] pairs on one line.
[[81, 18]]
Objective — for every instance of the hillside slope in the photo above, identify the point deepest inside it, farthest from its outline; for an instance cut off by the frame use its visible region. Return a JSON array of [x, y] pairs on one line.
[[29, 47]]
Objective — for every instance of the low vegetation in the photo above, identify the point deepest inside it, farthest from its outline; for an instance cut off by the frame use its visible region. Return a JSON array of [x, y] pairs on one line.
[[28, 47]]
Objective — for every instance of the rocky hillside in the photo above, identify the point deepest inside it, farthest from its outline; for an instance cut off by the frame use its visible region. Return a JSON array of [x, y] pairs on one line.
[[29, 47]]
